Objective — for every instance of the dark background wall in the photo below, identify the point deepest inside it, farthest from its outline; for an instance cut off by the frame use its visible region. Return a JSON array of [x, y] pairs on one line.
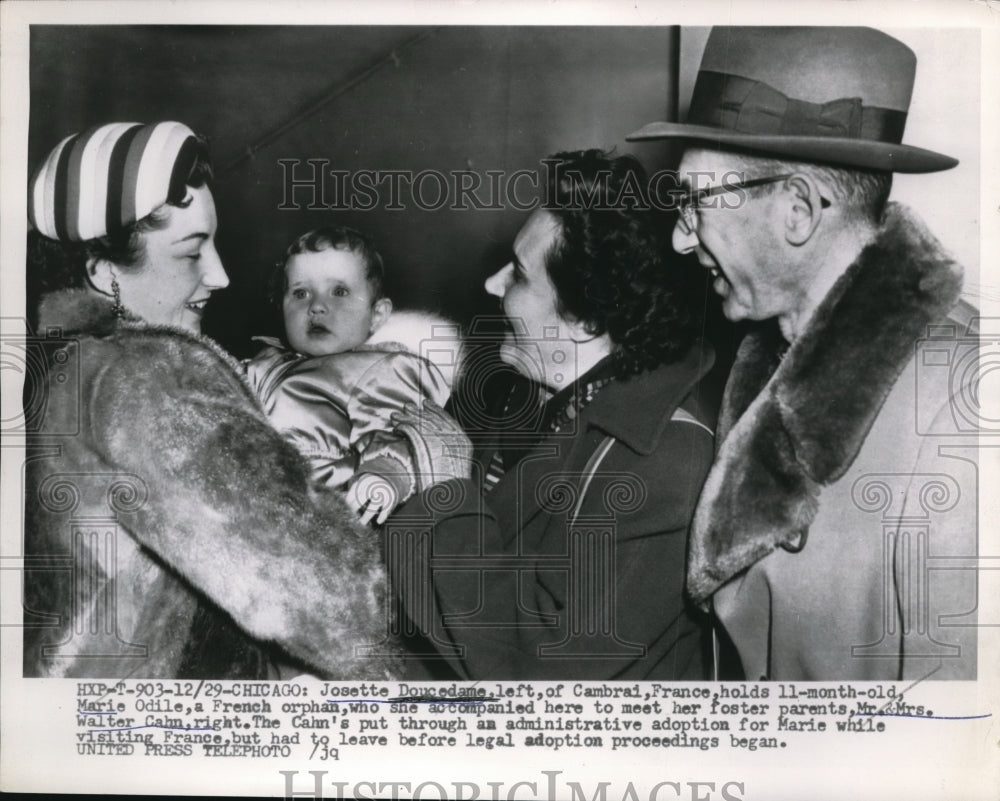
[[362, 98], [445, 99]]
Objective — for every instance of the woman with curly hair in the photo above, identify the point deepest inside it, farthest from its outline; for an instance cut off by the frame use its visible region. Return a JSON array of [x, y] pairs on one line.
[[564, 557]]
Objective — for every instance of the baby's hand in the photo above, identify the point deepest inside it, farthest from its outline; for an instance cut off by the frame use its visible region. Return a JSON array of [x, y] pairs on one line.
[[372, 497], [440, 448]]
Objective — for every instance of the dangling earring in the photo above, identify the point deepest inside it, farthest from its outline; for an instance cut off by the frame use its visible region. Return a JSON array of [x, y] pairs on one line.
[[118, 310]]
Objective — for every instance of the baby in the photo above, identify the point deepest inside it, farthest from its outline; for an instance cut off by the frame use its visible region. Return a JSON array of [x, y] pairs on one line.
[[332, 386]]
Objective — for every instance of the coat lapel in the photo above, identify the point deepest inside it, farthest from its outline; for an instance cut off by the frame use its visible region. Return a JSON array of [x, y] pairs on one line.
[[517, 499], [795, 424], [634, 411]]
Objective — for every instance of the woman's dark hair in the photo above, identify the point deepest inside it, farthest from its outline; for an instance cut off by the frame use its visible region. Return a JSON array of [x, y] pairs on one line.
[[54, 265], [610, 266], [331, 238]]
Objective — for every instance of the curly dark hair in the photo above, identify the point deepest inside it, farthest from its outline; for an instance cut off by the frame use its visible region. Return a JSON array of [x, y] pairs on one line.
[[331, 238], [610, 266]]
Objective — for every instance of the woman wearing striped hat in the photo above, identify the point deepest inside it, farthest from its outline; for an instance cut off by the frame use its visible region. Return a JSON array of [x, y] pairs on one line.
[[171, 533]]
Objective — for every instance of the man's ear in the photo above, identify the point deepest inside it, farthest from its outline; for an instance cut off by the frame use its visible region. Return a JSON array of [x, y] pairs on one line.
[[380, 313], [805, 210], [100, 273]]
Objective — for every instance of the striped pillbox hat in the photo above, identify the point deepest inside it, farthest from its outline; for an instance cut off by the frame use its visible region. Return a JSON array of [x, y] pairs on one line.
[[109, 177]]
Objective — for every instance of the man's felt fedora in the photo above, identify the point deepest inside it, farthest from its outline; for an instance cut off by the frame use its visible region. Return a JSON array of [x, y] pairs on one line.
[[831, 95]]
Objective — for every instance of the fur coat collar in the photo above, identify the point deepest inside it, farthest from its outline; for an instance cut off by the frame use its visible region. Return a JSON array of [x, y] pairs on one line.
[[84, 312], [791, 425]]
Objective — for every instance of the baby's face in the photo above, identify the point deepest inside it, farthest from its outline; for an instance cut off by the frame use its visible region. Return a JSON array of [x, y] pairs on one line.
[[327, 303]]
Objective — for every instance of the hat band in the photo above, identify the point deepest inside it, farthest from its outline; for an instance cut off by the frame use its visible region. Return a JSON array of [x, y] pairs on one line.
[[744, 105]]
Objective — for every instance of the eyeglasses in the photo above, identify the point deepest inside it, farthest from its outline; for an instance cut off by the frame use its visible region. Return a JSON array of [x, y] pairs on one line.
[[688, 206]]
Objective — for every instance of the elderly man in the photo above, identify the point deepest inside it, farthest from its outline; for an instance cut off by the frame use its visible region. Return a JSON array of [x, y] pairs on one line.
[[830, 532]]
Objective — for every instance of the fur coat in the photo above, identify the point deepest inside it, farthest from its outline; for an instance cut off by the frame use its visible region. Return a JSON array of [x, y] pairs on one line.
[[842, 469], [169, 530]]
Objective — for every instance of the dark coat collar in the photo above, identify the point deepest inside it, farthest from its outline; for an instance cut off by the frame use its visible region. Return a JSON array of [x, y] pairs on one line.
[[635, 411], [793, 425], [627, 414]]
